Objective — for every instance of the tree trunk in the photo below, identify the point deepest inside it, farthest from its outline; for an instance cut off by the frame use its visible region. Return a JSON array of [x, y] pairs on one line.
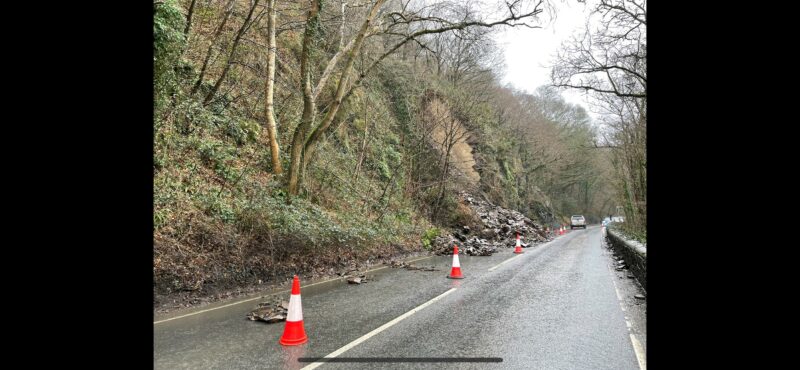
[[189, 19], [342, 87], [269, 104], [225, 70], [228, 11], [309, 107]]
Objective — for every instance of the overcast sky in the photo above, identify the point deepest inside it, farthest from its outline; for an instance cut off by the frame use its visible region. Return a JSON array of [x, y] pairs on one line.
[[529, 53]]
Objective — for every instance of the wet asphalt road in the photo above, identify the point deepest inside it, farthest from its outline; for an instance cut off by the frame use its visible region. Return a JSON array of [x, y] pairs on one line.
[[559, 305]]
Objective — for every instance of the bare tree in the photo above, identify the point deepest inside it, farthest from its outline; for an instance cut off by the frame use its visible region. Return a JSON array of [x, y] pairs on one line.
[[404, 26], [217, 33], [611, 59], [302, 145], [309, 106], [229, 60], [269, 106], [611, 63], [448, 131]]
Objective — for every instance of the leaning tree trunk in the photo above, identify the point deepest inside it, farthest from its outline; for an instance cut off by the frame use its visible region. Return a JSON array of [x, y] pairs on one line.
[[342, 87], [229, 61], [217, 33], [189, 19], [308, 100]]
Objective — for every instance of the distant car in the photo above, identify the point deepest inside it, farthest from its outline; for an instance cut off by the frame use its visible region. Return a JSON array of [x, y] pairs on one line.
[[577, 221]]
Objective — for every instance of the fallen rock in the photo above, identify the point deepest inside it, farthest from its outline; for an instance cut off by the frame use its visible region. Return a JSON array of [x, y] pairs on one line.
[[269, 312], [395, 264], [355, 280], [274, 318]]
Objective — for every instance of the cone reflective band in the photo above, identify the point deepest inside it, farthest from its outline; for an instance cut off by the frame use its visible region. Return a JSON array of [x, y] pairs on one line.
[[519, 247], [294, 333], [455, 272]]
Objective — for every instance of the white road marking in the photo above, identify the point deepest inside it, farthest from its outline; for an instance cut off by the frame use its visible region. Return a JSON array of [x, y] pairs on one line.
[[378, 330], [498, 265], [519, 255], [279, 292], [637, 347], [619, 296]]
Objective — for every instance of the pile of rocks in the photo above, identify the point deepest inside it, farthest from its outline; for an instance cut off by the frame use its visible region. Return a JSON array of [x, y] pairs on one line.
[[270, 312], [499, 228]]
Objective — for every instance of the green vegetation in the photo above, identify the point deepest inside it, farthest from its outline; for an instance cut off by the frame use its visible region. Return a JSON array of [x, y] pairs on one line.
[[378, 182]]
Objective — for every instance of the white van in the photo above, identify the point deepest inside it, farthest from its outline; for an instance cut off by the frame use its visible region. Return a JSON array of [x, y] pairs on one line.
[[577, 221]]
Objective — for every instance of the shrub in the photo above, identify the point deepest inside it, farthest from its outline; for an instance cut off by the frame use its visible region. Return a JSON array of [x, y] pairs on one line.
[[429, 236]]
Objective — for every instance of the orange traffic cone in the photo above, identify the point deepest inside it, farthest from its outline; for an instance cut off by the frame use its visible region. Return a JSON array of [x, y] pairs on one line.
[[519, 247], [294, 333], [455, 272]]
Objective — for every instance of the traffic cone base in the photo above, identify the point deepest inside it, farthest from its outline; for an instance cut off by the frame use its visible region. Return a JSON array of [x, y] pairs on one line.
[[456, 274], [294, 333]]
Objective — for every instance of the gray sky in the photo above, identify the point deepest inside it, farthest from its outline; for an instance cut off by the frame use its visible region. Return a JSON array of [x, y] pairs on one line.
[[529, 52]]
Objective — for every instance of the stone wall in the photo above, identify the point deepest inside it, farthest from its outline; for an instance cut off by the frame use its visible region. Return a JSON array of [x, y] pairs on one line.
[[634, 253]]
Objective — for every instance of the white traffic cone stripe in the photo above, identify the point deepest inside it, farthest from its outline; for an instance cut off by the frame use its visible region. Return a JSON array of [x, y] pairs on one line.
[[295, 309], [518, 242], [455, 261]]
